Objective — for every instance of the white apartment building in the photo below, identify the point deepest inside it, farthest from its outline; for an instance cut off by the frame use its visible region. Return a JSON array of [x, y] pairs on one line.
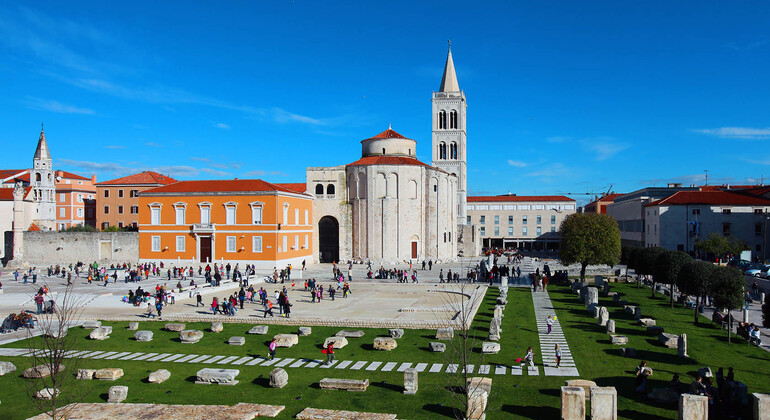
[[519, 222], [677, 222]]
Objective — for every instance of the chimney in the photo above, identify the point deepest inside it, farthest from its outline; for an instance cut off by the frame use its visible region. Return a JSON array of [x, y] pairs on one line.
[[93, 179]]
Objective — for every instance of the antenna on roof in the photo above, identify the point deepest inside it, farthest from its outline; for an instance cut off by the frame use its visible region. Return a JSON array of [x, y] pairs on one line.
[[450, 44], [707, 175]]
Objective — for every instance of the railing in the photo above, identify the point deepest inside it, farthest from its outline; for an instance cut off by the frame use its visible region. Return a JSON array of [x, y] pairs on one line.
[[203, 227]]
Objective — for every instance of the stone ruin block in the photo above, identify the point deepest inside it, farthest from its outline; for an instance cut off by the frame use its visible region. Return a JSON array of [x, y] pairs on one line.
[[339, 342], [109, 374], [175, 327], [159, 376], [410, 381], [6, 368], [761, 406], [396, 333], [217, 376], [305, 331], [133, 326], [604, 316], [217, 327], [143, 335], [647, 322], [46, 393], [582, 383], [488, 347], [350, 333], [236, 341], [286, 340], [92, 324], [117, 394], [278, 378], [611, 326], [358, 385], [39, 371], [101, 333], [385, 343], [619, 339], [447, 333], [477, 404], [669, 340], [693, 407], [258, 329], [604, 403], [437, 347], [573, 403], [190, 336]]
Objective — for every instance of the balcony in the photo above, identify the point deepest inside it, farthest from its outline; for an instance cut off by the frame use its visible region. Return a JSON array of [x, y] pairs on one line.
[[203, 227]]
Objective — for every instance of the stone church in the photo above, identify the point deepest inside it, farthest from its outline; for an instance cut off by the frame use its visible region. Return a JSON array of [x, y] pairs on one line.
[[390, 207]]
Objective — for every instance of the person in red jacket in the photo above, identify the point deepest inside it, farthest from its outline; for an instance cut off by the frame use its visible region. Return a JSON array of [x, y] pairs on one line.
[[329, 350]]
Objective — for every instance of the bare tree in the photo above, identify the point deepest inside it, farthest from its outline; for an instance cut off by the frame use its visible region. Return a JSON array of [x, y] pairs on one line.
[[464, 350], [49, 348]]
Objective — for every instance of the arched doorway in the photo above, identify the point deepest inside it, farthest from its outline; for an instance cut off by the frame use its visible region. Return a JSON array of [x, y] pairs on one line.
[[328, 239]]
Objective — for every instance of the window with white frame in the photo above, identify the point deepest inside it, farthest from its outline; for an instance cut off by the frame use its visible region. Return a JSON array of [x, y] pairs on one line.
[[523, 206], [80, 212], [61, 198], [483, 231], [230, 214], [307, 244], [495, 207], [256, 214], [510, 231], [307, 217], [296, 241], [231, 244], [470, 207], [509, 207], [285, 215], [180, 243], [539, 231], [80, 198], [539, 207], [205, 213], [482, 207], [569, 207], [285, 243], [155, 214], [156, 244], [62, 211], [256, 244], [524, 231], [179, 214], [296, 216]]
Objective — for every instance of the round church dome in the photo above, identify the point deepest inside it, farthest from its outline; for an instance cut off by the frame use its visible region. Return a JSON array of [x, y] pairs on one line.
[[388, 143]]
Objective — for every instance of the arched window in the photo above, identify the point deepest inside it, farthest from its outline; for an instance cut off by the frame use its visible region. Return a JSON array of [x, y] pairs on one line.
[[330, 189], [442, 151], [453, 150], [453, 119], [442, 120], [37, 177], [319, 189]]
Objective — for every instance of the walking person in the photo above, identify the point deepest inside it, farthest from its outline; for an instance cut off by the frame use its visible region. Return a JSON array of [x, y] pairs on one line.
[[558, 355], [549, 322], [529, 358], [199, 300], [271, 349], [329, 350]]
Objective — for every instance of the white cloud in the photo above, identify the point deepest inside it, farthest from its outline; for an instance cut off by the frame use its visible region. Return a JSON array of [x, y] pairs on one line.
[[278, 173], [222, 126], [115, 146], [56, 106], [151, 144], [517, 163], [747, 133], [215, 172], [604, 149], [254, 173]]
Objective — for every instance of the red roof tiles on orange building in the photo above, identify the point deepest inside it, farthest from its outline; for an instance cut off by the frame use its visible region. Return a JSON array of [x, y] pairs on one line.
[[299, 187], [146, 177], [517, 198], [229, 185]]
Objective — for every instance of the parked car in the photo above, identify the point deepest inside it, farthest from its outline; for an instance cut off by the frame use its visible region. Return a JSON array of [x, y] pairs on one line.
[[757, 270]]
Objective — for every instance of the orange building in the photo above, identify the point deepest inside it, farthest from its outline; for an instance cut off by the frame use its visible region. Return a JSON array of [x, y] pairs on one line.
[[75, 200], [118, 199], [599, 205], [247, 221]]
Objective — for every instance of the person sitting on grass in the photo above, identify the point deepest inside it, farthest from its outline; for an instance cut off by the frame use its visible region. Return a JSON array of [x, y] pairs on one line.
[[642, 372]]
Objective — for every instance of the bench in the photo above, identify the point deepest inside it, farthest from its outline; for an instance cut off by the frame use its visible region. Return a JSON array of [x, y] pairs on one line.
[[359, 385]]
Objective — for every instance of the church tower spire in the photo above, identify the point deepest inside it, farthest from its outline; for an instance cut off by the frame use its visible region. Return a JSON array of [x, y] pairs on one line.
[[43, 185], [449, 135]]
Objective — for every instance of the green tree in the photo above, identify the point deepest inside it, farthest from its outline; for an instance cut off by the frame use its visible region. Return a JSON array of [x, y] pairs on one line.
[[589, 238], [667, 267], [646, 263], [693, 279], [79, 228], [721, 246], [728, 291]]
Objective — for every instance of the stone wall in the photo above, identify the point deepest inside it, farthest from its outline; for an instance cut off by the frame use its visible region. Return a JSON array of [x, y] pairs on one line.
[[46, 248]]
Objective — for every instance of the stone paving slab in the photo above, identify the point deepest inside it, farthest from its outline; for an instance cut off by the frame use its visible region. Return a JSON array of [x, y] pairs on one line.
[[145, 356], [285, 362], [560, 371], [102, 356], [115, 356], [484, 370], [213, 359], [298, 363], [420, 367], [325, 366], [313, 364], [403, 367], [469, 369], [452, 368], [13, 352], [242, 360], [500, 370], [69, 353], [186, 358], [255, 361], [389, 366], [173, 357], [158, 357], [344, 364], [435, 368], [533, 371], [373, 366], [271, 362], [199, 358], [227, 360], [81, 353], [358, 365], [517, 370]]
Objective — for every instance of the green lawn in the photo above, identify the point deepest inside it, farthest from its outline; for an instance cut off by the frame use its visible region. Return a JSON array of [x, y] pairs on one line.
[[512, 396]]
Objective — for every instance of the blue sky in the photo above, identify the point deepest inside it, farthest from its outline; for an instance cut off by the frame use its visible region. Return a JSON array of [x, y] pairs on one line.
[[563, 96]]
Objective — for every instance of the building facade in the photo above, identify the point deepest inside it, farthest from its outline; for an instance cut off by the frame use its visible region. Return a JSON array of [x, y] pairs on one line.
[[118, 199], [245, 221], [75, 200], [519, 222], [387, 206], [679, 221], [599, 205]]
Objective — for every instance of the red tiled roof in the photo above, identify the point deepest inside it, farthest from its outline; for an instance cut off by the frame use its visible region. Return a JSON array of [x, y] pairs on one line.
[[299, 187], [517, 198], [34, 228], [70, 175], [388, 134], [757, 190], [146, 177], [610, 197], [5, 173], [229, 185], [6, 194], [387, 160], [710, 197]]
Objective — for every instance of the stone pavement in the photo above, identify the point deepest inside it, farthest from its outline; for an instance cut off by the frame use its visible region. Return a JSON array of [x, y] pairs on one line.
[[544, 309], [220, 360]]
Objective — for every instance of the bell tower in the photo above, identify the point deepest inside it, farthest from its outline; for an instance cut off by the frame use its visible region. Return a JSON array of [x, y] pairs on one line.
[[449, 132], [41, 178]]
